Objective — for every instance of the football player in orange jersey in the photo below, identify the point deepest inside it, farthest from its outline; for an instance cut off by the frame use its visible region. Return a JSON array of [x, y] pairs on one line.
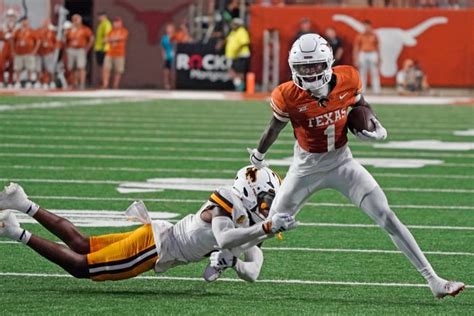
[[316, 102]]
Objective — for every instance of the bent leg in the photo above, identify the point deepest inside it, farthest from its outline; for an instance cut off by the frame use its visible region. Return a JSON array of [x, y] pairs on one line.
[[72, 262], [375, 204], [357, 184], [64, 230], [126, 258]]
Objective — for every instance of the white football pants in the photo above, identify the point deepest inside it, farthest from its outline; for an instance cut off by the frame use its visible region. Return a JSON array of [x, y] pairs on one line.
[[357, 184], [368, 61]]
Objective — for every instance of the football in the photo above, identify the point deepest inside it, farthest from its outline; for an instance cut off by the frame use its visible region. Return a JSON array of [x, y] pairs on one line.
[[360, 118]]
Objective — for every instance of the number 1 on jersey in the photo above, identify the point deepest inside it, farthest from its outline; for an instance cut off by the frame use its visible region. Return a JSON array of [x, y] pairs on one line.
[[330, 132]]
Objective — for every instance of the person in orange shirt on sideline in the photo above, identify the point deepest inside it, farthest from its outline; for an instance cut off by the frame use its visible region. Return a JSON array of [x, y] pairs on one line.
[[115, 56], [45, 59], [182, 34], [366, 57], [6, 56], [25, 46], [79, 40]]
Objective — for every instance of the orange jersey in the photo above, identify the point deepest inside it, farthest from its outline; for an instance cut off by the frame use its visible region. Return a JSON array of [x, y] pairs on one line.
[[24, 41], [6, 35], [318, 129], [47, 40], [78, 37], [118, 39], [367, 42]]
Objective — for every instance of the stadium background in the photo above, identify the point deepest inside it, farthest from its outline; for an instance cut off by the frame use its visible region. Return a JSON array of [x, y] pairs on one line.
[[88, 154]]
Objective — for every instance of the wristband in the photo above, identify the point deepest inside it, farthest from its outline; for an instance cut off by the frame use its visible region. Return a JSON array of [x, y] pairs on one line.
[[267, 227], [258, 155]]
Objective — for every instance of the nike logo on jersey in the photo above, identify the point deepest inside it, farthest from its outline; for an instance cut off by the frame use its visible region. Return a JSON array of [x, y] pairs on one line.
[[342, 96], [327, 118]]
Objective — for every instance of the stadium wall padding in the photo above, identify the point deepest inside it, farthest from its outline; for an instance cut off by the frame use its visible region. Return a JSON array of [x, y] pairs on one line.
[[444, 46]]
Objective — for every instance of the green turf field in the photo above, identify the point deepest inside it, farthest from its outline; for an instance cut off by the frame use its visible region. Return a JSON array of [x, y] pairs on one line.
[[337, 261]]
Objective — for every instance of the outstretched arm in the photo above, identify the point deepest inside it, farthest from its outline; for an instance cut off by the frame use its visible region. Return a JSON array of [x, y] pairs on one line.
[[228, 236], [270, 134], [267, 139]]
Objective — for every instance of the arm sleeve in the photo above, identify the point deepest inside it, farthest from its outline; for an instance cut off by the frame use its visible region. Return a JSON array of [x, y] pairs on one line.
[[228, 236], [356, 81], [277, 103], [249, 268]]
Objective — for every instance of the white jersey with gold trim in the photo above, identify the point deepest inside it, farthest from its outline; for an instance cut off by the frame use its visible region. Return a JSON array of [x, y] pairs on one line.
[[191, 239]]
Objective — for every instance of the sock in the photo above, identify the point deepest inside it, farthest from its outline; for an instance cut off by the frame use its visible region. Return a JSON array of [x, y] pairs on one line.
[[24, 237], [32, 209], [237, 82], [18, 234], [429, 274]]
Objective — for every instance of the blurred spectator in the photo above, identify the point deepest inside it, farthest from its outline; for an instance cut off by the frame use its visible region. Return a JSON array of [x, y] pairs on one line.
[[336, 44], [25, 46], [237, 49], [115, 57], [6, 56], [305, 27], [366, 57], [79, 40], [231, 11], [182, 34], [100, 46], [411, 79], [167, 54], [428, 3], [45, 62], [67, 73]]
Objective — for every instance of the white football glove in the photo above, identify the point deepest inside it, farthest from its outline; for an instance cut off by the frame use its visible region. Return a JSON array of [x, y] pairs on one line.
[[380, 133], [257, 159], [280, 222], [218, 262], [222, 259]]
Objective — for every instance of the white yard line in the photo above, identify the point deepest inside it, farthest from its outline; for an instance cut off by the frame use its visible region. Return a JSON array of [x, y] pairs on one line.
[[80, 181], [211, 171], [334, 250], [400, 206], [90, 198], [156, 127], [174, 158], [219, 150], [294, 282], [123, 157], [60, 104], [376, 226], [345, 250], [140, 139]]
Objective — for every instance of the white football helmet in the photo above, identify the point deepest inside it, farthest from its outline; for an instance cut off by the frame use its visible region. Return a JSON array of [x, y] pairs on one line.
[[310, 60], [257, 189]]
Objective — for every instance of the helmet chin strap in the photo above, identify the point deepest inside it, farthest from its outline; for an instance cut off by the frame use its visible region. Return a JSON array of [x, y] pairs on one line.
[[321, 92]]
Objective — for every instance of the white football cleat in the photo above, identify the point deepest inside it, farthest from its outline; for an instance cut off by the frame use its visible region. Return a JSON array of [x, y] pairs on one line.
[[211, 274], [9, 225], [442, 288], [14, 197]]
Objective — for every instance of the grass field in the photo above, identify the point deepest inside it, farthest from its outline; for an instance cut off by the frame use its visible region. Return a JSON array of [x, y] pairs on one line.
[[75, 157]]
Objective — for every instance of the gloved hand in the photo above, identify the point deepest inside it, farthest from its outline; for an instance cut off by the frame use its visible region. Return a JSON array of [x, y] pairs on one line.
[[280, 222], [257, 159], [218, 262], [380, 133], [222, 259]]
